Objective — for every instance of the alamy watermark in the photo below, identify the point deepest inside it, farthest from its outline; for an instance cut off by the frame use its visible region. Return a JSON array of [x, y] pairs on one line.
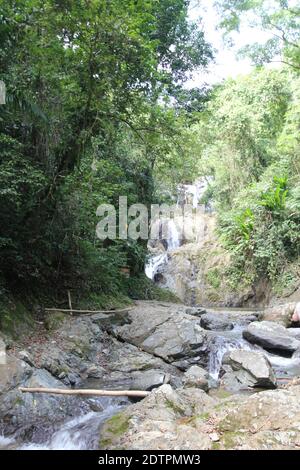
[[2, 92], [154, 223]]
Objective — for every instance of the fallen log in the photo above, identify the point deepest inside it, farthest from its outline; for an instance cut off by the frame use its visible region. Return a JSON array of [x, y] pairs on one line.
[[87, 312], [86, 392]]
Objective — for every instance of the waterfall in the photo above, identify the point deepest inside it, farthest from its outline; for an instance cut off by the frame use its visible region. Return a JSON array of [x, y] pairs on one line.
[[189, 194], [173, 242], [173, 236], [154, 264]]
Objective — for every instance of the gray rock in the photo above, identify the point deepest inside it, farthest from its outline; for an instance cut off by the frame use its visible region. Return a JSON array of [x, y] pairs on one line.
[[249, 369], [295, 332], [160, 421], [165, 333], [216, 322], [196, 377], [195, 311], [95, 372], [296, 354], [32, 416], [110, 320], [271, 336], [12, 373], [148, 380], [26, 357], [189, 419]]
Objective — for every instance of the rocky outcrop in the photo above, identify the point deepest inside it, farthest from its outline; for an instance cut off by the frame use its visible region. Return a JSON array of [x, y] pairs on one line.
[[78, 353], [247, 369], [162, 421], [189, 419], [271, 336], [166, 333]]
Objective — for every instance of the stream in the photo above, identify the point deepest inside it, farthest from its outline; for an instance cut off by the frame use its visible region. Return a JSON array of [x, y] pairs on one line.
[[83, 431], [80, 433]]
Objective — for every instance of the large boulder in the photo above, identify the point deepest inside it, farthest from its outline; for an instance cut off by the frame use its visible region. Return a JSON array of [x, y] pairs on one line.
[[249, 369], [163, 421], [162, 331], [271, 336], [189, 419], [216, 322], [281, 314]]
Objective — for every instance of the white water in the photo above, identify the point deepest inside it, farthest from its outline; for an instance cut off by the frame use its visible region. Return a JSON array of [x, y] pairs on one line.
[[173, 236], [154, 264], [223, 343], [80, 433], [173, 242], [192, 193]]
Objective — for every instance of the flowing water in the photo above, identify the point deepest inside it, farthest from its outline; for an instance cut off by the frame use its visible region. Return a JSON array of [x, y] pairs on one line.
[[80, 433], [187, 194], [157, 261]]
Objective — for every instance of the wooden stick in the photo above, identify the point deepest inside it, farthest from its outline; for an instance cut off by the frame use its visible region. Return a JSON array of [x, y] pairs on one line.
[[83, 392], [67, 310], [70, 303]]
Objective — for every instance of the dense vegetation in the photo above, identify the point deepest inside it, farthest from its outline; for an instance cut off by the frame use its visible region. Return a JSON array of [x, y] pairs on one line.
[[250, 146], [97, 108], [250, 142], [87, 118]]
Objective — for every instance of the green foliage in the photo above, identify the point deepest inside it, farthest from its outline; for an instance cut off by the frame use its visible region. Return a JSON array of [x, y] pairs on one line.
[[88, 118], [275, 198], [279, 18], [250, 147]]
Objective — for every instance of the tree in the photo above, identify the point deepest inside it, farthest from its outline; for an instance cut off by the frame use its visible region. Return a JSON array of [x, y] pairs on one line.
[[279, 18], [86, 82]]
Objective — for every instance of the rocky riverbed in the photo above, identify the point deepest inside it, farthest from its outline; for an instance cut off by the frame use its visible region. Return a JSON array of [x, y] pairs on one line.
[[231, 375]]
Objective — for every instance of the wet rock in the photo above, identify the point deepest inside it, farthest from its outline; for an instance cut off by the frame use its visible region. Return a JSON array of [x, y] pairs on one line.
[[216, 322], [32, 416], [196, 377], [164, 333], [249, 369], [271, 336]]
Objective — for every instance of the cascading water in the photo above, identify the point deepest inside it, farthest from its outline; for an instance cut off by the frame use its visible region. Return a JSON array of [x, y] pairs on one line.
[[173, 242], [224, 343], [187, 194], [80, 433], [154, 263]]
